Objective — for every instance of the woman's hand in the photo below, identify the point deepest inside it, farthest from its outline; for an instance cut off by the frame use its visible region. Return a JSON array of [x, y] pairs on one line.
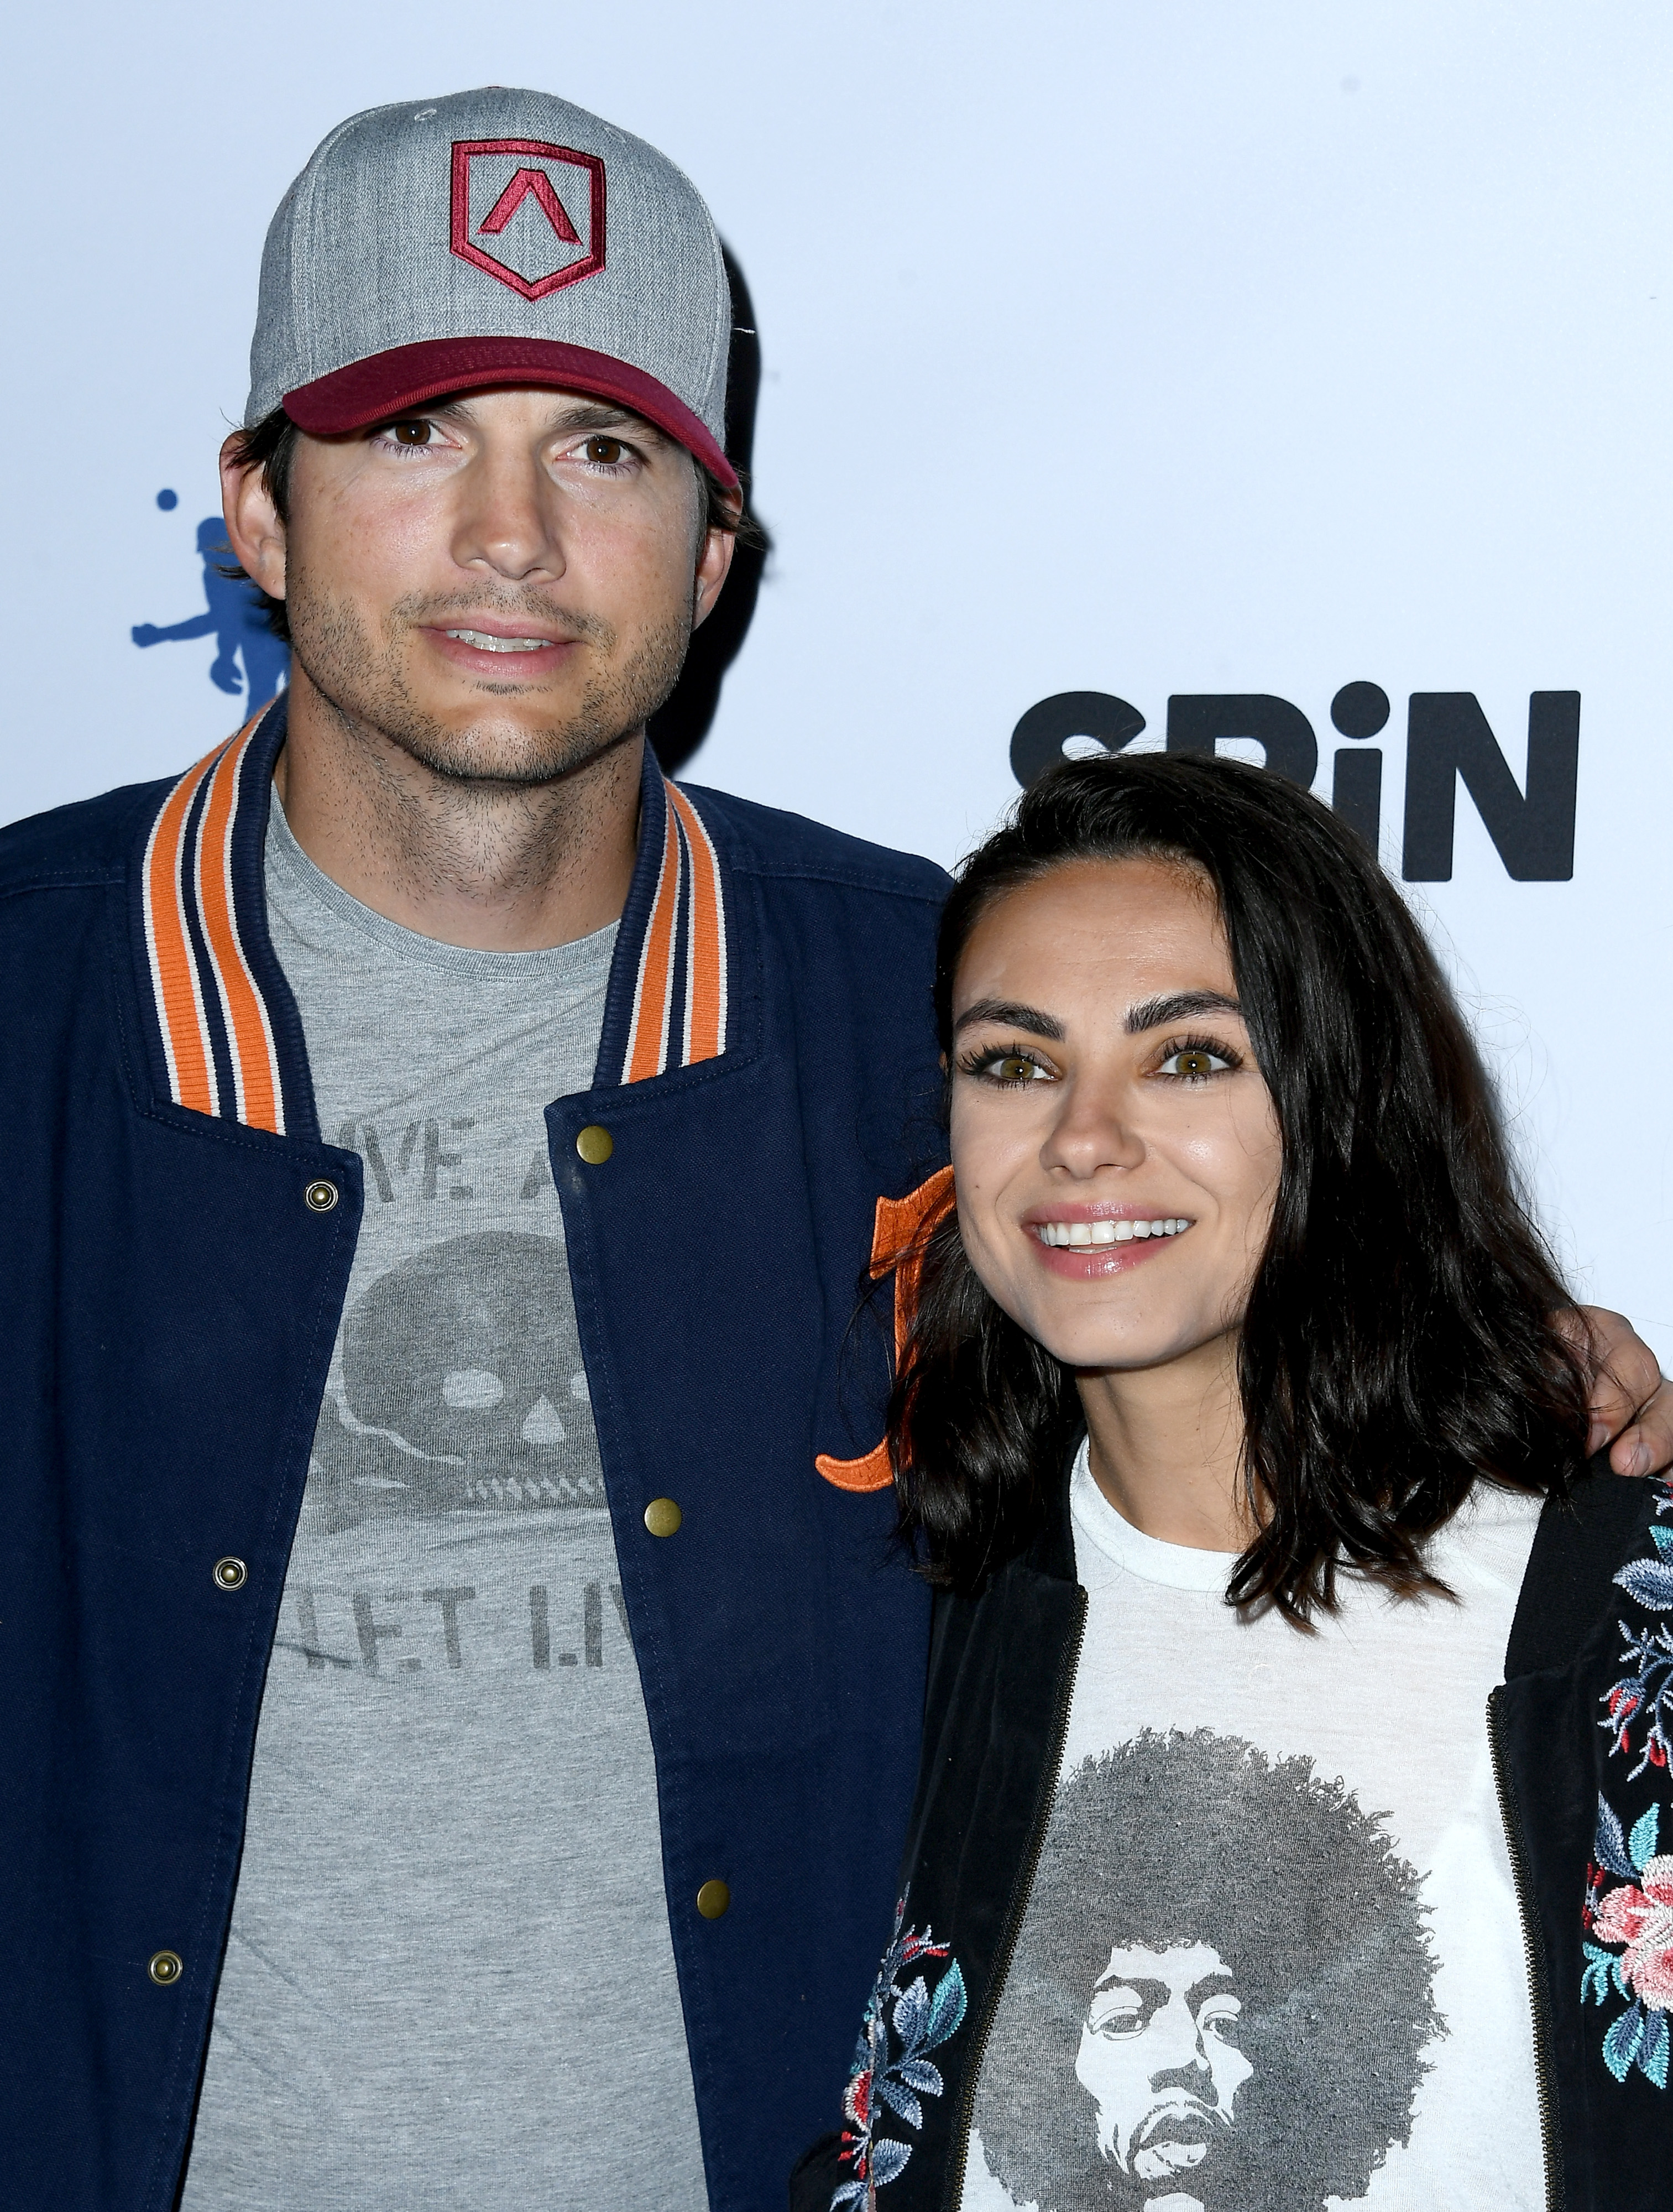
[[1627, 1395]]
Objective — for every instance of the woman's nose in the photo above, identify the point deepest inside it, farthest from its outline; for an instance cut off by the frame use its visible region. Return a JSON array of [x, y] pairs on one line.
[[1092, 1129]]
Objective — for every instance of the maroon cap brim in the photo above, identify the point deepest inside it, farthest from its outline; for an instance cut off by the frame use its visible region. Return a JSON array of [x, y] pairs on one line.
[[371, 391]]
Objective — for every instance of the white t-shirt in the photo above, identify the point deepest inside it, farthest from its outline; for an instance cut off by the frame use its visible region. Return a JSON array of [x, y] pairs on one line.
[[1272, 1955]]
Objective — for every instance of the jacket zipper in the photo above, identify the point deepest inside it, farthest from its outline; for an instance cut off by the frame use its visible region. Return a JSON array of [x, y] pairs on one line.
[[1539, 1999], [952, 2196]]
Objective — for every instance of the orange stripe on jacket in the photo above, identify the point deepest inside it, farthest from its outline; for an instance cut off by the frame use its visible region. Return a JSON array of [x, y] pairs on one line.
[[255, 1067], [705, 988], [647, 1044], [900, 1231], [173, 971]]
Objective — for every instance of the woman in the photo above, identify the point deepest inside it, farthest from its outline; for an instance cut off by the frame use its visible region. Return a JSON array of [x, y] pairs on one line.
[[1235, 1429]]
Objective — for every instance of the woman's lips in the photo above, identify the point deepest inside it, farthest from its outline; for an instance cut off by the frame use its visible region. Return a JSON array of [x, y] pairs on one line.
[[1085, 1244]]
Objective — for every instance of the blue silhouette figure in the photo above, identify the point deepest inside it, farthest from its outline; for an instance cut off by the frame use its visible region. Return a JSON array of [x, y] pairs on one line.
[[235, 618]]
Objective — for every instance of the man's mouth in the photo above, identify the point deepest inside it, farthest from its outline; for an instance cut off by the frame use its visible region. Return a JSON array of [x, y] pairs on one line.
[[1109, 1230], [485, 641]]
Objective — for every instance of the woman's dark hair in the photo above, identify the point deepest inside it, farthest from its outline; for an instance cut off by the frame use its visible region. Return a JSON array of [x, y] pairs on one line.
[[271, 447], [1400, 1340]]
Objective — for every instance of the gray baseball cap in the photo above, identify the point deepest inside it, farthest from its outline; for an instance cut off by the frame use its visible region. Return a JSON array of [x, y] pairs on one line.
[[492, 237]]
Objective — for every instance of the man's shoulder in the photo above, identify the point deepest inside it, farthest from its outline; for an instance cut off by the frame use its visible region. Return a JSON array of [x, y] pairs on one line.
[[764, 841], [87, 841]]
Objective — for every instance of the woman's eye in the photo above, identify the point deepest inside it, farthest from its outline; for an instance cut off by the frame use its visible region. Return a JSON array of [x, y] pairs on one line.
[[1016, 1067], [1193, 1062], [607, 452]]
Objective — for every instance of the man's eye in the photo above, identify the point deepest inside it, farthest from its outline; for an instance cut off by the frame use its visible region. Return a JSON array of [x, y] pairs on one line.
[[1125, 2021], [416, 433], [608, 452]]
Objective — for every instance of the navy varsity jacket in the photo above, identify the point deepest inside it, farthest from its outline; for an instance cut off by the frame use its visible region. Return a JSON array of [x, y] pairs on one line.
[[1580, 1733], [176, 1248]]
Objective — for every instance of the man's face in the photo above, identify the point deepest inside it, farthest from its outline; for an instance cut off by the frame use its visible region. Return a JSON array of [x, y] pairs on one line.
[[1160, 2057], [503, 584]]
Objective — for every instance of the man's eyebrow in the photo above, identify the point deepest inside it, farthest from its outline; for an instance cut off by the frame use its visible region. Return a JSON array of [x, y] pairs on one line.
[[583, 415], [1010, 1014], [1217, 1984], [1181, 1007], [600, 414]]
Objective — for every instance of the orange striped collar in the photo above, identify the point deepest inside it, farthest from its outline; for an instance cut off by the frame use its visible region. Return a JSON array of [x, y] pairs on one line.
[[678, 949], [229, 1039]]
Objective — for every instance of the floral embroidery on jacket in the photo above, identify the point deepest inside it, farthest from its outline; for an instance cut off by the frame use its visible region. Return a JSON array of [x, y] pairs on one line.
[[1636, 1913], [916, 2019]]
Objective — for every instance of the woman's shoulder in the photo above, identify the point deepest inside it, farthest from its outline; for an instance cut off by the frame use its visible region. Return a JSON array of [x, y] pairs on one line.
[[1583, 1545]]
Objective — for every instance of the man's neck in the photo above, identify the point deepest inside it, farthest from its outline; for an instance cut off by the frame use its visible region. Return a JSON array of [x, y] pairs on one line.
[[498, 868]]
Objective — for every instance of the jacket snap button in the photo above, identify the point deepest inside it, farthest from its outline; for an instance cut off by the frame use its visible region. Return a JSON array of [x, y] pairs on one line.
[[231, 1574], [661, 1517], [713, 1900], [165, 1967], [595, 1144], [321, 1196]]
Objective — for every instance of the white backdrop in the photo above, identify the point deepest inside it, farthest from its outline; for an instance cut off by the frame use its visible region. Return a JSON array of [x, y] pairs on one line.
[[1139, 348]]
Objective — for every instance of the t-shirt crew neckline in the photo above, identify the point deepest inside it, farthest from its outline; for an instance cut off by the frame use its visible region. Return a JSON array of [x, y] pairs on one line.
[[1178, 1566], [577, 961]]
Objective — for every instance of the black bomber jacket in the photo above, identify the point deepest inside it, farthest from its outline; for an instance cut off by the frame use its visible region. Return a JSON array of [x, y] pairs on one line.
[[1580, 1733]]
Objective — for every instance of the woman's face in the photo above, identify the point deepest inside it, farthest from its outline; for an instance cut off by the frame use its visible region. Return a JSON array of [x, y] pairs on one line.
[[1114, 1145]]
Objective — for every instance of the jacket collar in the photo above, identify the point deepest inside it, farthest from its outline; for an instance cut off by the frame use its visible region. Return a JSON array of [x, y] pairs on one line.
[[225, 1036], [1052, 1552]]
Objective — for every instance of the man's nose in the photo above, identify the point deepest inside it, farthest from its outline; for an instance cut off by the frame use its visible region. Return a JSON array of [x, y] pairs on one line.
[[1177, 2043], [506, 521]]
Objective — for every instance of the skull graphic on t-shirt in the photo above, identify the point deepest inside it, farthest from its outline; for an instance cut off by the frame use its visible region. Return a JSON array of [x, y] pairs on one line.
[[462, 1387]]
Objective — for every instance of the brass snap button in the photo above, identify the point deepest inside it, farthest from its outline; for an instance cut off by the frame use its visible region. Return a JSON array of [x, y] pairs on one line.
[[166, 1968], [231, 1574], [595, 1144], [662, 1516], [713, 1900], [321, 1196]]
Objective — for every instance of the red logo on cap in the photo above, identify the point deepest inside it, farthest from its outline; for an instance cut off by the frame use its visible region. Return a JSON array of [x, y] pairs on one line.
[[525, 182]]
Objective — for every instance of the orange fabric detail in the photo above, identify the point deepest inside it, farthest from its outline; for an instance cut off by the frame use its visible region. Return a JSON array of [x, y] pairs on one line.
[[645, 1051], [186, 1046], [253, 1072], [897, 1245], [703, 1001], [900, 1228], [872, 1472]]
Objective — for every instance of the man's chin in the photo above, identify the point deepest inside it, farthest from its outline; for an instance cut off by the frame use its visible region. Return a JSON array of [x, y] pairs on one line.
[[507, 759], [1176, 2143]]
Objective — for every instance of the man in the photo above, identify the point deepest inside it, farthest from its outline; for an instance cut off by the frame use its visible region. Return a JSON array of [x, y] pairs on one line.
[[1170, 2040], [462, 1704]]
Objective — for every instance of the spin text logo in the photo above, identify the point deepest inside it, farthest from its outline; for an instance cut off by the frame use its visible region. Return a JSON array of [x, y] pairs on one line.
[[1448, 742]]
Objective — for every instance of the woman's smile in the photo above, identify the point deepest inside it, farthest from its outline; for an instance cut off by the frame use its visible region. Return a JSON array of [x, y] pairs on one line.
[[1080, 1242]]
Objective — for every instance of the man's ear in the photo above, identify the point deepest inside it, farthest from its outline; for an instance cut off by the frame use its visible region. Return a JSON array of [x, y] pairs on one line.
[[713, 563], [253, 528]]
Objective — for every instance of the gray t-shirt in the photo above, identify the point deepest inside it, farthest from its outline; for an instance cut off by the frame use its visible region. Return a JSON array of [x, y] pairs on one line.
[[450, 1978]]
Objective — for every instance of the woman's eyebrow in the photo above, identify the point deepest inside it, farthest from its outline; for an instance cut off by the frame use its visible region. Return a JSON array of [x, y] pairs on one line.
[[1010, 1015], [1182, 1006]]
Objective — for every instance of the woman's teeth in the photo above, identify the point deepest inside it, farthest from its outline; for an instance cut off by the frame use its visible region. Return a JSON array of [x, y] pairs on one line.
[[484, 643], [1106, 1232]]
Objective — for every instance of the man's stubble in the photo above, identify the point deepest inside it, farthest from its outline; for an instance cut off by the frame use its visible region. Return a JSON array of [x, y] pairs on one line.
[[363, 680]]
